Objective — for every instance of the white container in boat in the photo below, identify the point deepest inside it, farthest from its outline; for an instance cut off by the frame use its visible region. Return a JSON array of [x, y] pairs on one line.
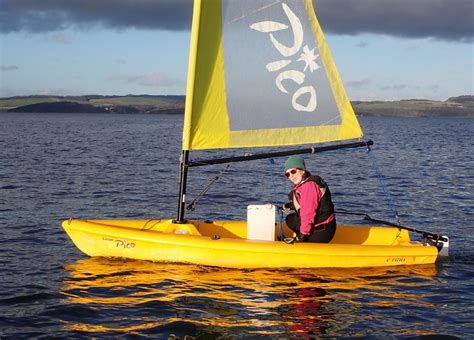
[[261, 222]]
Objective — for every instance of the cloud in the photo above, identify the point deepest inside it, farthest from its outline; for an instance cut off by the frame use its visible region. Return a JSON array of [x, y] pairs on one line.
[[60, 38], [439, 19], [35, 16], [7, 91], [156, 80], [394, 87], [362, 83], [434, 87], [8, 67], [362, 44], [120, 61]]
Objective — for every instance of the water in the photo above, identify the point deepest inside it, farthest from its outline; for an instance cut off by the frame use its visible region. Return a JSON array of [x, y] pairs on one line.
[[125, 166]]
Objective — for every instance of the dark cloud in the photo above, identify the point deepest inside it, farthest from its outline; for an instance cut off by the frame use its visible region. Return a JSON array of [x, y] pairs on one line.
[[36, 16], [439, 19]]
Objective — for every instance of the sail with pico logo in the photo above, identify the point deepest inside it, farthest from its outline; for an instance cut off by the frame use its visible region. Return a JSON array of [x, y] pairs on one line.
[[263, 76]]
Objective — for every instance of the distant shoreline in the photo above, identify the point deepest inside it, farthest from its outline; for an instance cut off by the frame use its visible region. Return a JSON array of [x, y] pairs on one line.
[[461, 106]]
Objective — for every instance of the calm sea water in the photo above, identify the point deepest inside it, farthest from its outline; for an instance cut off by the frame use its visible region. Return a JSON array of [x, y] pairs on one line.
[[54, 167]]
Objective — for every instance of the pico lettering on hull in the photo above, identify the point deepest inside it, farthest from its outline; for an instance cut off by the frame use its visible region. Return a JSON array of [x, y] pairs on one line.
[[125, 244]]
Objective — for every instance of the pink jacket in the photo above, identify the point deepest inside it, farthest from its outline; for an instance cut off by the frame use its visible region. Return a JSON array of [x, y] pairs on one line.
[[307, 196]]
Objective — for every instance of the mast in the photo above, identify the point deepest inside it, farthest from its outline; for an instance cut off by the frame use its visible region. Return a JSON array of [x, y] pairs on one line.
[[183, 176], [184, 159]]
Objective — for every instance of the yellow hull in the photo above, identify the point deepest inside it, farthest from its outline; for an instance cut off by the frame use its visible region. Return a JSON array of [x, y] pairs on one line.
[[224, 244]]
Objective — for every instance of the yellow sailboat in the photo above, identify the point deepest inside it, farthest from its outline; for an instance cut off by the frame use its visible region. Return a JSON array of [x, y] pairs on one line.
[[260, 74]]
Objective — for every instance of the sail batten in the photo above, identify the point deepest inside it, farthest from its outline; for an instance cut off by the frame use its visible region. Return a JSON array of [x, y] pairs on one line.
[[262, 75]]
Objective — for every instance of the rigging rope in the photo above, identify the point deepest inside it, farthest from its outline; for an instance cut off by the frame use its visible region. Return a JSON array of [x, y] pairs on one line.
[[281, 235], [388, 197], [192, 206]]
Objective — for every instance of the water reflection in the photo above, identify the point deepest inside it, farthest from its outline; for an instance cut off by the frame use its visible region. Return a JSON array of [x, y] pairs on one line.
[[140, 298]]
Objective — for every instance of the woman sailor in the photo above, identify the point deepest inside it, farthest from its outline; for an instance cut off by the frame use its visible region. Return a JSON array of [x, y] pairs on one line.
[[312, 218]]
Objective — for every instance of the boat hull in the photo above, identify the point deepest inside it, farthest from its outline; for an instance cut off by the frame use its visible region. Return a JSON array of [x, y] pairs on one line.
[[224, 244]]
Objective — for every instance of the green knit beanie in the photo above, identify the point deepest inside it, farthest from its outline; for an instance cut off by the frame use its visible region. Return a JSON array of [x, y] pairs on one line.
[[295, 161]]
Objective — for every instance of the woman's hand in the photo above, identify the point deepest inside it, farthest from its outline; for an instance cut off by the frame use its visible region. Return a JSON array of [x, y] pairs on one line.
[[286, 208], [301, 238]]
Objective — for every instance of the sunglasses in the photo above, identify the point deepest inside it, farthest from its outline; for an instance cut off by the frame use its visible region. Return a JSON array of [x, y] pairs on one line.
[[291, 172]]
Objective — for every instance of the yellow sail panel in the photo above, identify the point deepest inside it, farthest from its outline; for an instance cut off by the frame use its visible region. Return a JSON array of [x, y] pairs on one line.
[[287, 136], [206, 123], [349, 127], [261, 74]]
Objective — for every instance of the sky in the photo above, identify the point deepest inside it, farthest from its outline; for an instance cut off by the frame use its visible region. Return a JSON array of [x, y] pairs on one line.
[[383, 49]]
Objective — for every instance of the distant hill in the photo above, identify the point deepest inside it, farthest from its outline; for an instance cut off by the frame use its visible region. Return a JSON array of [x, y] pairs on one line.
[[462, 106], [70, 107], [94, 104]]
